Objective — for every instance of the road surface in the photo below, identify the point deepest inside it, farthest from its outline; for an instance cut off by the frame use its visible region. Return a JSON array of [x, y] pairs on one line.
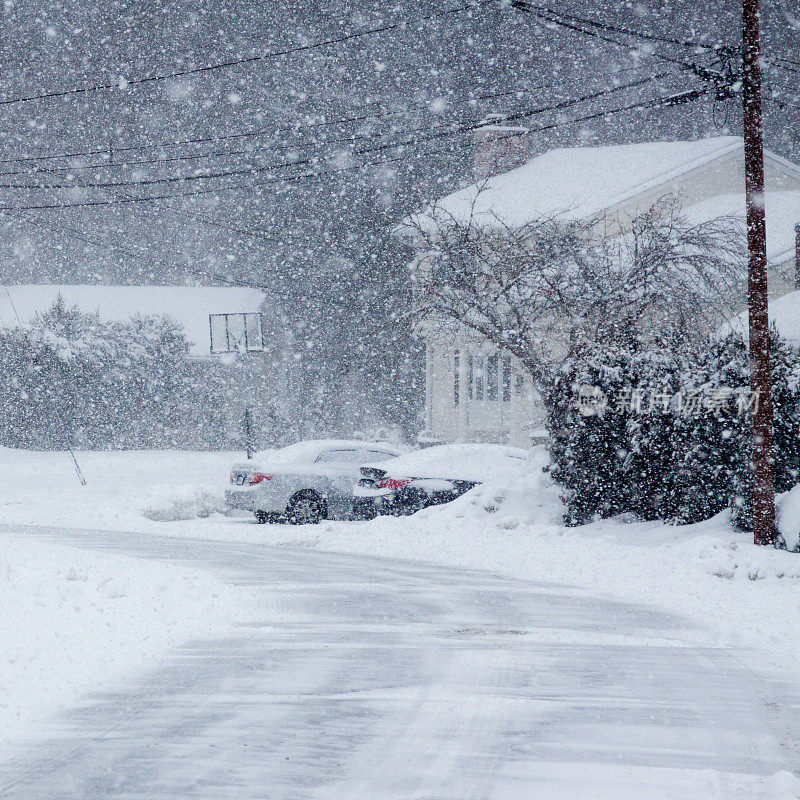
[[376, 679]]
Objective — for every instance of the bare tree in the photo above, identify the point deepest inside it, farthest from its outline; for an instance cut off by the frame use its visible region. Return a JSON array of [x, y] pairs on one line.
[[535, 291]]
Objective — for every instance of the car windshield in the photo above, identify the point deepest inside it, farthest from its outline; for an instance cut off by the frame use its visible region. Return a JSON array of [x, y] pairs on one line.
[[342, 457]]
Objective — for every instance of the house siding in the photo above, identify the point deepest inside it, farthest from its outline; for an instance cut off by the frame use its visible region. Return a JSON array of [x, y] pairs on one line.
[[498, 407]]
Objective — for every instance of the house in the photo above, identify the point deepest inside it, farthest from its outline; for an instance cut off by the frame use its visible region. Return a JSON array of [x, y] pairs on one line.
[[256, 380], [473, 393], [189, 306]]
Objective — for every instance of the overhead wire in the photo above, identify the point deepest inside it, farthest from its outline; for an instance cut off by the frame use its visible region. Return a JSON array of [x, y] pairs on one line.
[[607, 26], [448, 130], [106, 149], [565, 21], [681, 98], [125, 83]]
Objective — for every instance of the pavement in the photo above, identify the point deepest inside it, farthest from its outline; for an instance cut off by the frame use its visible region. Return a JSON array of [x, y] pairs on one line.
[[379, 679]]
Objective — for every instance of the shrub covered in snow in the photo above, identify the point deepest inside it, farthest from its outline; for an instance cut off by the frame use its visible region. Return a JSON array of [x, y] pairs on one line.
[[671, 437], [69, 378]]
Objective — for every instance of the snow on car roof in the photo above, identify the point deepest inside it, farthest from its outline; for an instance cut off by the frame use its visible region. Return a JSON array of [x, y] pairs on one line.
[[466, 462], [309, 450]]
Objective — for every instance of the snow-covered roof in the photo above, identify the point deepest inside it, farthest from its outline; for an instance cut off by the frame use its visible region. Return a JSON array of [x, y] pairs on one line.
[[577, 182], [189, 306], [783, 213], [307, 451], [784, 315]]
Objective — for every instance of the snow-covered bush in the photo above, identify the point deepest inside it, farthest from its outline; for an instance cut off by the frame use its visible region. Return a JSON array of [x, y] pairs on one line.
[[68, 379], [668, 435]]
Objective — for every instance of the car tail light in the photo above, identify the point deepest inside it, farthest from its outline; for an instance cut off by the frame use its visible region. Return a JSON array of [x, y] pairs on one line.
[[258, 477], [392, 483]]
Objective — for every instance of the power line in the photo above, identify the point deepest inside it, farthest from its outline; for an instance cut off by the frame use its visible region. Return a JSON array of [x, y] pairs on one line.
[[525, 5], [563, 21], [124, 83], [261, 132], [451, 129], [673, 100]]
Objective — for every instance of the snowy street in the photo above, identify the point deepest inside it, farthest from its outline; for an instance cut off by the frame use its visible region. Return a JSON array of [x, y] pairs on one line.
[[387, 679]]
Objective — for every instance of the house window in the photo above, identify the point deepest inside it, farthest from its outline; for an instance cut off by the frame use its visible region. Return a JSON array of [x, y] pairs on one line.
[[506, 379], [492, 377], [456, 387], [479, 370]]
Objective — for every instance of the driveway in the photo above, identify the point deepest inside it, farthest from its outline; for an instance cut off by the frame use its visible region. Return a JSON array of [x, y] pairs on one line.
[[382, 679]]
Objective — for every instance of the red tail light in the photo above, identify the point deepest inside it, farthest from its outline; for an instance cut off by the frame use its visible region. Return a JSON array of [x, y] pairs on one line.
[[258, 477], [392, 483]]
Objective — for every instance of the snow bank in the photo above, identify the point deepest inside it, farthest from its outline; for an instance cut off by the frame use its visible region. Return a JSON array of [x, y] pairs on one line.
[[789, 517], [76, 622]]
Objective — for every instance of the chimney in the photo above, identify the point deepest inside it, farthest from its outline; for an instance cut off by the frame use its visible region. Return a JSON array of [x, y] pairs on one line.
[[498, 148], [797, 256]]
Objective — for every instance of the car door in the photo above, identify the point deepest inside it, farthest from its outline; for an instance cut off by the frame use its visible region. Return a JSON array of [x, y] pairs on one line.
[[340, 467]]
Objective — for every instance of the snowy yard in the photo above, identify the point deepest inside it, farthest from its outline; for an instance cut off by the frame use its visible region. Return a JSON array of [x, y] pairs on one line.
[[77, 621]]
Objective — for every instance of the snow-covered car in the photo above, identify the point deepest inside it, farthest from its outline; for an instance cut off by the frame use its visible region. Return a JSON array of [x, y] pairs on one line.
[[304, 482], [434, 475]]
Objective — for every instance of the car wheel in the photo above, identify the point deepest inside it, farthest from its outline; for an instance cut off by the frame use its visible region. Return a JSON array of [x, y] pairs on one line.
[[305, 508]]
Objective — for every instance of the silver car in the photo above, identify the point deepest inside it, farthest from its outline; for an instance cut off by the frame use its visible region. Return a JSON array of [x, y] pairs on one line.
[[304, 482]]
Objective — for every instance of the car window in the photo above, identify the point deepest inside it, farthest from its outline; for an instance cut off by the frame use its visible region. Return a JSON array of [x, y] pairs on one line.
[[371, 456], [341, 457]]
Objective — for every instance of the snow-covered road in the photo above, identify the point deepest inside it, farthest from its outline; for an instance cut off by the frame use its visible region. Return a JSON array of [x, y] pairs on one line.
[[379, 679]]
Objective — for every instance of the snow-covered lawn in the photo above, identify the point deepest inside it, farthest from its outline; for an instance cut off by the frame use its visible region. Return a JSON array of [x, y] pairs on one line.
[[123, 488], [76, 621]]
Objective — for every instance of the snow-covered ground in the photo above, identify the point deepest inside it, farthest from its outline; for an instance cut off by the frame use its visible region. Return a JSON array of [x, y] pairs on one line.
[[97, 616], [745, 596], [76, 621], [122, 488]]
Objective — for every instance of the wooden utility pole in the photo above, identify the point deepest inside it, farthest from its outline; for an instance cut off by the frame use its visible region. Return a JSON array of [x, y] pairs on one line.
[[762, 466], [248, 431]]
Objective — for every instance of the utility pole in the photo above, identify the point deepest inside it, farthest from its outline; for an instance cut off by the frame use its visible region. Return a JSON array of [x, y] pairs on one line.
[[761, 452], [248, 431]]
